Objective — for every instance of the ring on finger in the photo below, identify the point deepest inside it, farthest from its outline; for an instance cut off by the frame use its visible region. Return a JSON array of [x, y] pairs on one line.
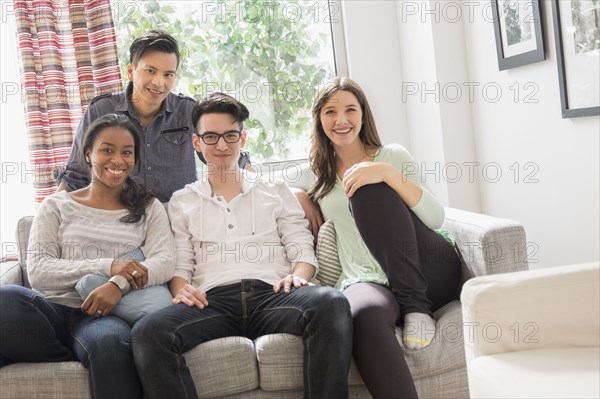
[[99, 311], [135, 273]]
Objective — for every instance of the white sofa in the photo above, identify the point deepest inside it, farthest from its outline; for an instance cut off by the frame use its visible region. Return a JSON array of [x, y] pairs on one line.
[[534, 334]]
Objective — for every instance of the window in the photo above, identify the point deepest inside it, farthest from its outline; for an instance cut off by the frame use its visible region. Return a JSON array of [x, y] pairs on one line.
[[271, 55]]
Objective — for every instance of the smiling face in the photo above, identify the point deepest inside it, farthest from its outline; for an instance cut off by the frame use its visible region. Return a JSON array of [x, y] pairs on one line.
[[153, 78], [112, 157], [223, 155], [341, 118]]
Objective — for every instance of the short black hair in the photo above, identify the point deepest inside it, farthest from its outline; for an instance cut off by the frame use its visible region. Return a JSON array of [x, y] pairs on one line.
[[153, 40], [220, 103]]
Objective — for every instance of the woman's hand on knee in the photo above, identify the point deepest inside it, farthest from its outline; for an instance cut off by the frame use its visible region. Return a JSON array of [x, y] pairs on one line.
[[362, 174], [101, 301]]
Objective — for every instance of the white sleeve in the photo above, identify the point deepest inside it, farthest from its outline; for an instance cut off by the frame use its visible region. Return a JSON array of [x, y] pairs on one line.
[[185, 263], [293, 228], [300, 176], [159, 245]]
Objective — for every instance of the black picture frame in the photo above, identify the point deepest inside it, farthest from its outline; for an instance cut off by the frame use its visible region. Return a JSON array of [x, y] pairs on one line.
[[514, 19], [566, 56]]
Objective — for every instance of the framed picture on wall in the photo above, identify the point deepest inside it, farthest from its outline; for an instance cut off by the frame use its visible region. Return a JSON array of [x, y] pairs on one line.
[[577, 37], [518, 29]]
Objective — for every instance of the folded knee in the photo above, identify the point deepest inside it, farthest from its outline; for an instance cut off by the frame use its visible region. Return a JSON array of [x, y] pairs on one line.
[[374, 192]]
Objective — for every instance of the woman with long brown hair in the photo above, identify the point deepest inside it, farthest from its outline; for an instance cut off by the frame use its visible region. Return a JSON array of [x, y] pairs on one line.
[[395, 267]]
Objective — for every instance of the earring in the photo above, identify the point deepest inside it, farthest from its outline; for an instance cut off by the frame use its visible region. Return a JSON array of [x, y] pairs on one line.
[[87, 159]]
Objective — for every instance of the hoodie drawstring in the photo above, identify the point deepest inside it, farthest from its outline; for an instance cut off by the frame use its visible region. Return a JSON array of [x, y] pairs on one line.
[[253, 216], [201, 221]]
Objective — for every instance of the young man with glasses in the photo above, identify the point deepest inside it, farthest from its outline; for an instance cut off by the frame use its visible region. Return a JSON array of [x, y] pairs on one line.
[[244, 259]]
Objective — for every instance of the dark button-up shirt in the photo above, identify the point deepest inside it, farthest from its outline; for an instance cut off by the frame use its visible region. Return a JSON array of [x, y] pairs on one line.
[[166, 161]]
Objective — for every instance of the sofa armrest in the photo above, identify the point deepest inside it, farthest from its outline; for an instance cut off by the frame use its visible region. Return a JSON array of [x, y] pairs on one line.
[[545, 308], [11, 273], [486, 244]]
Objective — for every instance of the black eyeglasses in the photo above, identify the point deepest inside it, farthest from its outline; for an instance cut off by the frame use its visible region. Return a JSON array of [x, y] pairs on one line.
[[213, 138]]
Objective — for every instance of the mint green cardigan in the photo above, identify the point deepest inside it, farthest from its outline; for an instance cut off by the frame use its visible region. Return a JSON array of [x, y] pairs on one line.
[[358, 264]]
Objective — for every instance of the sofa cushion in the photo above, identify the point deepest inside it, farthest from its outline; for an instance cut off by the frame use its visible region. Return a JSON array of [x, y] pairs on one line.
[[329, 263], [280, 355], [225, 366], [446, 352], [232, 370], [136, 303], [22, 236], [65, 380], [280, 363]]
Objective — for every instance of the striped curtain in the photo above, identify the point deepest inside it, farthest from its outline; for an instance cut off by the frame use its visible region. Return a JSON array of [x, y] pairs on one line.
[[68, 54]]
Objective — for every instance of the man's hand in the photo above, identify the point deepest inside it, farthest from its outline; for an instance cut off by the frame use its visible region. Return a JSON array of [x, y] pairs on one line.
[[287, 282], [132, 270], [302, 273], [102, 300], [191, 296]]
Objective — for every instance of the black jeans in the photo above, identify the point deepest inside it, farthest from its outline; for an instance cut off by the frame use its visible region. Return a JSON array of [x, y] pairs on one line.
[[320, 315], [424, 274], [34, 329]]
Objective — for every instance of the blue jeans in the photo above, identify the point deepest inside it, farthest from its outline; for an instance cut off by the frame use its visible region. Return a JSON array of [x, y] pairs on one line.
[[321, 315], [34, 329]]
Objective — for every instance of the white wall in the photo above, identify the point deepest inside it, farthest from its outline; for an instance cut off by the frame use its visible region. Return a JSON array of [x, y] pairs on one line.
[[373, 52], [560, 211], [387, 52], [549, 166]]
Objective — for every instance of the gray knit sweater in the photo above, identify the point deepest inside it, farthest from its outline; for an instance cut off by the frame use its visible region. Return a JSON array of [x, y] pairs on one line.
[[69, 240]]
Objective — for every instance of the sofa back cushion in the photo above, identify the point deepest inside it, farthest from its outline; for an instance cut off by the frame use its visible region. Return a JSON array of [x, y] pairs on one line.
[[330, 268], [329, 263], [22, 236]]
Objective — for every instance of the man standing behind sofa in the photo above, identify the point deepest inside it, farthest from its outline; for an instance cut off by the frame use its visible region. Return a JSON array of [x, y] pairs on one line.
[[167, 155], [244, 258]]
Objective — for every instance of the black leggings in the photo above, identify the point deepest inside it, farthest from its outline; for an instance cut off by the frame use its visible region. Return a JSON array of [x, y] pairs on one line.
[[422, 267], [423, 271]]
